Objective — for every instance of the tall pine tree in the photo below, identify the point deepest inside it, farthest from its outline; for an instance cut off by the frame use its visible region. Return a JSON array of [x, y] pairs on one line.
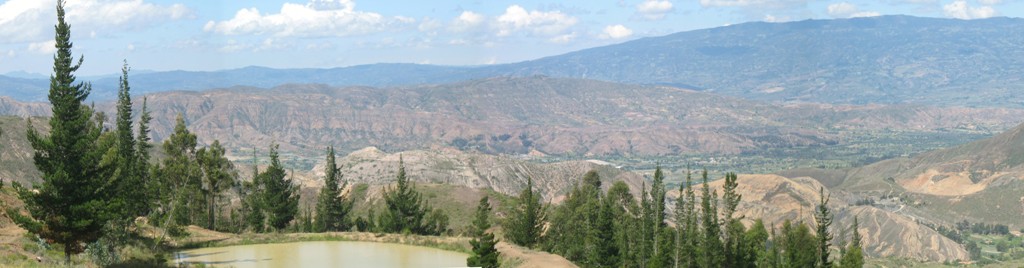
[[332, 208], [71, 204], [279, 195], [484, 253], [853, 256], [405, 207], [526, 221], [823, 219]]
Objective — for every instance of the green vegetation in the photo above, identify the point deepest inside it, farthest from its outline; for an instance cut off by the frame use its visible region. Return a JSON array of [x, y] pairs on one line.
[[407, 212], [332, 208], [484, 253], [74, 202], [526, 221]]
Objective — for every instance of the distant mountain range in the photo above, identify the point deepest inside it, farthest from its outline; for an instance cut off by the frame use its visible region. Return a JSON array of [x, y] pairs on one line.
[[887, 59]]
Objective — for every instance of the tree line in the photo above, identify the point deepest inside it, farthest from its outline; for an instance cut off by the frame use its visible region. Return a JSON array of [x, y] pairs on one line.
[[612, 229]]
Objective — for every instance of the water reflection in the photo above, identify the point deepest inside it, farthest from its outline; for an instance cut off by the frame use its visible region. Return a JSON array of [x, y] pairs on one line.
[[323, 254]]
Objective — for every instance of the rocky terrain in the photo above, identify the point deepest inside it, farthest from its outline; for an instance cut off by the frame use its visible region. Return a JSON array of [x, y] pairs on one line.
[[540, 115], [775, 199]]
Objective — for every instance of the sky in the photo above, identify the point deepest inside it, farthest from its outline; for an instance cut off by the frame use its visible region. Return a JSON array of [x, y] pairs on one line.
[[205, 35]]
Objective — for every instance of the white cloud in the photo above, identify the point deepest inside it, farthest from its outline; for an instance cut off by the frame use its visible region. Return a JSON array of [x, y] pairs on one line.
[[539, 23], [10, 53], [318, 18], [847, 10], [45, 47], [617, 31], [763, 4], [562, 39], [772, 18], [467, 21], [654, 9], [961, 10], [33, 20], [990, 2], [131, 47]]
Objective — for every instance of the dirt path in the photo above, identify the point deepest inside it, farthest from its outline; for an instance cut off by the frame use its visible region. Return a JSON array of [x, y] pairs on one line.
[[531, 258]]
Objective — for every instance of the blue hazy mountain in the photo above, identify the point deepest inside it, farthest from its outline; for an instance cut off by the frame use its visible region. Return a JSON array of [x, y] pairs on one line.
[[887, 59]]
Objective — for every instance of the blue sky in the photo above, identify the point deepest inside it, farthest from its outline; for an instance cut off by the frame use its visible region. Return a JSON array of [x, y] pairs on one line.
[[211, 35]]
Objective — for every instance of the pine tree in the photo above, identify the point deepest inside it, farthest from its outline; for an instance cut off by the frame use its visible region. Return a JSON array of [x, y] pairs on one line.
[[332, 208], [71, 204], [218, 175], [711, 244], [690, 239], [625, 216], [280, 197], [823, 219], [733, 228], [142, 158], [526, 221], [484, 253], [406, 208], [853, 256], [129, 202], [602, 235], [252, 205], [797, 246]]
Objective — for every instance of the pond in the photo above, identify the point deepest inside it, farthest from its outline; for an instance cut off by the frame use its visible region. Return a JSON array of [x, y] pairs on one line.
[[323, 254]]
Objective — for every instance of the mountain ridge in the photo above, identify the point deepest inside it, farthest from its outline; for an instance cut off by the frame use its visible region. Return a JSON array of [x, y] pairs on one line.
[[886, 59]]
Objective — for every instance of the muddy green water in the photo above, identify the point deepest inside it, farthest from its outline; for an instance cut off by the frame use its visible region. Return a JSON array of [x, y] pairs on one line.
[[342, 254]]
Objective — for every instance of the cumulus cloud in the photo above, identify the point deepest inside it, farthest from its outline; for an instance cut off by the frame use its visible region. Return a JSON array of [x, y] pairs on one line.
[[654, 9], [770, 4], [617, 31], [847, 10], [317, 18], [45, 47], [33, 20], [961, 10], [467, 21], [536, 23]]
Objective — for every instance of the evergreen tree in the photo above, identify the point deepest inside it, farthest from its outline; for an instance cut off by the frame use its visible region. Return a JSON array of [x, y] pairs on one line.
[[142, 158], [734, 230], [571, 232], [755, 245], [406, 208], [332, 208], [823, 219], [797, 246], [711, 243], [853, 256], [660, 240], [279, 196], [605, 250], [625, 214], [252, 205], [690, 232], [484, 253], [218, 175], [526, 221], [127, 170], [71, 204]]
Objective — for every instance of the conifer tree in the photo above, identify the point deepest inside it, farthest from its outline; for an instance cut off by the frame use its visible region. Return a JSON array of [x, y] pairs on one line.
[[405, 207], [526, 221], [332, 208], [853, 256], [180, 177], [279, 196], [733, 228], [484, 253], [711, 243], [142, 158], [70, 207], [129, 202], [823, 219]]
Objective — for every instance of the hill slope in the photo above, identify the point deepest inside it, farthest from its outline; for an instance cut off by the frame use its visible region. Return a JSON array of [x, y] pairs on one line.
[[539, 114], [886, 59]]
